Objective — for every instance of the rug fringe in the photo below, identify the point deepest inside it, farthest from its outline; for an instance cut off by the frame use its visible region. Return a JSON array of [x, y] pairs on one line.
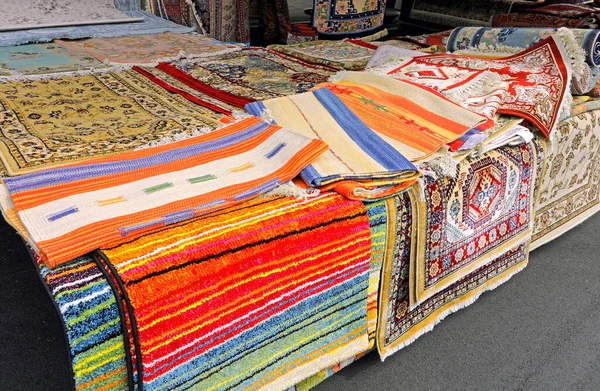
[[451, 310]]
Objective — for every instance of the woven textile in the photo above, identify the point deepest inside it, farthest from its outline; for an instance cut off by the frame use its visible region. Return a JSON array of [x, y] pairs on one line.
[[569, 191], [42, 59], [536, 81], [92, 324], [415, 121], [73, 210], [53, 122], [349, 18], [467, 221], [346, 54], [587, 105], [249, 75], [359, 164], [229, 20], [53, 13], [399, 325], [274, 295], [177, 11], [150, 24], [466, 37], [149, 48]]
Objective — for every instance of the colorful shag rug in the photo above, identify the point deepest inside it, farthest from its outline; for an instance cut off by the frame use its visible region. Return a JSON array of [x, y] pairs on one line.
[[93, 328], [149, 48], [70, 211], [45, 58], [338, 19], [415, 121], [359, 164], [466, 221], [347, 54], [249, 75], [533, 84], [40, 13], [53, 122], [267, 294], [570, 189], [92, 320], [399, 325]]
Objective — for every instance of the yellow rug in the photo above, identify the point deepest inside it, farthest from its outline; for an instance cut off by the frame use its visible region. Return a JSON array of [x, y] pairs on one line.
[[47, 123]]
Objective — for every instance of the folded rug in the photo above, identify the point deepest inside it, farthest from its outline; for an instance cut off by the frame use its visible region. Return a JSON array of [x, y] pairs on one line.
[[45, 58], [40, 13], [533, 84], [52, 122], [466, 221], [249, 75], [359, 164], [414, 121], [149, 48], [257, 297], [70, 211]]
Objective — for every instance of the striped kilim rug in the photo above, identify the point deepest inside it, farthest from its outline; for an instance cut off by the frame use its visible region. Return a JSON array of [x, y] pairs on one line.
[[257, 298], [359, 163], [70, 211], [415, 121]]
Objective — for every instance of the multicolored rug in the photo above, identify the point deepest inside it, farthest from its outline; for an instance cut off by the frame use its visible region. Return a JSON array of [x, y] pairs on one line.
[[39, 14], [267, 294], [94, 332], [90, 315], [45, 58], [536, 81], [466, 221], [177, 11], [53, 122], [359, 164], [414, 121], [352, 55], [228, 20], [249, 75], [399, 325], [338, 19], [149, 48], [73, 210], [570, 189]]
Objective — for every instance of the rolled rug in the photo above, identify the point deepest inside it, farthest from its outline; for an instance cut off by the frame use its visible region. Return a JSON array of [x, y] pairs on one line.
[[466, 37]]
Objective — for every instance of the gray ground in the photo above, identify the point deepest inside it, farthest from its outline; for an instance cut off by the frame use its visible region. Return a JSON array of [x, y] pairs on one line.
[[297, 10], [539, 331]]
